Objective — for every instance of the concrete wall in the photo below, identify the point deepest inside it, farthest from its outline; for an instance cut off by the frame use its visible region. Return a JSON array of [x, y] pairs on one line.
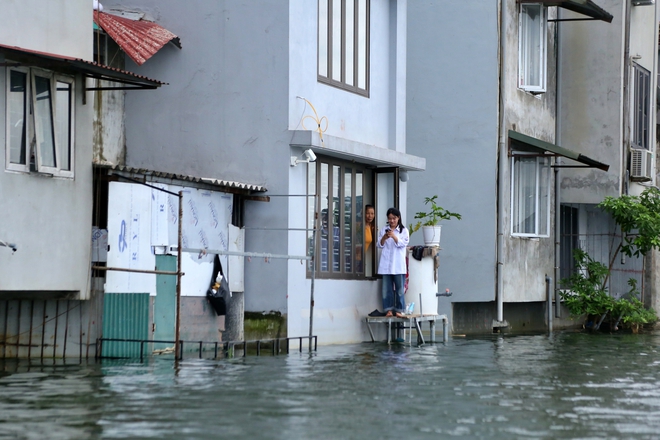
[[591, 97], [228, 111], [61, 27], [49, 219], [527, 260], [452, 120]]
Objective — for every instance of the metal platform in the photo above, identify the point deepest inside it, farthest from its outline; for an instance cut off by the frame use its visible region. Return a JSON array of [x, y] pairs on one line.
[[410, 322]]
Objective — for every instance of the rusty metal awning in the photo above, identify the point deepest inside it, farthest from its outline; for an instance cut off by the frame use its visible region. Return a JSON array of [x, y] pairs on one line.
[[17, 56], [528, 143], [139, 38], [584, 7], [143, 174]]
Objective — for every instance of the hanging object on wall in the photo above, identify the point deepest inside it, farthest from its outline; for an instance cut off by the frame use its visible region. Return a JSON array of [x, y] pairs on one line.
[[315, 118]]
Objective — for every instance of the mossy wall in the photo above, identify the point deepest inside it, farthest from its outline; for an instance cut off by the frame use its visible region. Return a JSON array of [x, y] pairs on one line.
[[267, 325]]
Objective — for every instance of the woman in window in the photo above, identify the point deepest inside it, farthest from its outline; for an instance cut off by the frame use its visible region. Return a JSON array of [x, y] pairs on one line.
[[393, 239], [370, 228]]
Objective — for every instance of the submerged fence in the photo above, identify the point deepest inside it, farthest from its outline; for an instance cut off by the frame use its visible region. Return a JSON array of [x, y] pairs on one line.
[[111, 347]]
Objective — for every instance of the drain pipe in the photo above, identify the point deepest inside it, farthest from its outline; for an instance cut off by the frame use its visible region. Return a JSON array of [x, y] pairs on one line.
[[501, 181], [558, 162], [548, 295]]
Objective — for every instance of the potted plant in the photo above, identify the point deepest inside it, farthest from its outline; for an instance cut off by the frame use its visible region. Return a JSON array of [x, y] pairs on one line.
[[429, 221]]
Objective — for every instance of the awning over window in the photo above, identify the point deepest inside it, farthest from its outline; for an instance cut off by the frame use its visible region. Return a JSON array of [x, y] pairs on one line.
[[16, 56], [153, 176], [139, 38], [584, 7], [523, 142]]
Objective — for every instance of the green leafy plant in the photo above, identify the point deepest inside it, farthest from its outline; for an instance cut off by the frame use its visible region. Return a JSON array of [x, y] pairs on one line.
[[586, 296], [639, 219], [433, 215], [631, 311]]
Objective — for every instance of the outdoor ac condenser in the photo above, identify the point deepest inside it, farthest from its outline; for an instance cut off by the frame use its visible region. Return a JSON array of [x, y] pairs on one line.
[[641, 165]]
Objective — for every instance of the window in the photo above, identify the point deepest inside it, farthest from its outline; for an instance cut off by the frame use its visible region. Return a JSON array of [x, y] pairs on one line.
[[342, 189], [641, 106], [343, 44], [530, 196], [532, 46], [39, 121]]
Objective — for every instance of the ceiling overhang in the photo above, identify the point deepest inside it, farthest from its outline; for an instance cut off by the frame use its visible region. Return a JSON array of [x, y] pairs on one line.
[[585, 7], [522, 142], [17, 56]]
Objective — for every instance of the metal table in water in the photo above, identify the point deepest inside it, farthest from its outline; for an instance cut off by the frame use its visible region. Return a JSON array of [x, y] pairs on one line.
[[411, 322]]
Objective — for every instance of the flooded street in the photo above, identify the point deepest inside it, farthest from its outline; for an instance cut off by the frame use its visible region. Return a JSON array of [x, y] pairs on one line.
[[568, 385]]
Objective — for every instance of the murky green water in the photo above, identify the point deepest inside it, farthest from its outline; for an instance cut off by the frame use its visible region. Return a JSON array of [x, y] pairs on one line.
[[570, 385]]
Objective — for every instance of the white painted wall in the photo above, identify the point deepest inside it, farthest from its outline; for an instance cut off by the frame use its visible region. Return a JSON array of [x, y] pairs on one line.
[[61, 27], [48, 218]]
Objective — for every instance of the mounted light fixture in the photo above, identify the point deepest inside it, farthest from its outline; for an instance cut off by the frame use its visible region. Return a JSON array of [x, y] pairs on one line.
[[307, 157], [643, 2]]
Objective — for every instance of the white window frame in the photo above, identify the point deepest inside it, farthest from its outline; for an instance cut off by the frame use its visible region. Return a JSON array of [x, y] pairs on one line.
[[32, 124], [539, 204], [343, 44], [531, 66], [641, 105]]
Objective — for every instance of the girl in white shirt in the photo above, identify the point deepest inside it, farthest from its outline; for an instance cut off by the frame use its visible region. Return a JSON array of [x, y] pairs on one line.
[[393, 239]]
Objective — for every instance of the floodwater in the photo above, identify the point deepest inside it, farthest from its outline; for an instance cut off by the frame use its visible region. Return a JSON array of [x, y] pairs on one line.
[[563, 386]]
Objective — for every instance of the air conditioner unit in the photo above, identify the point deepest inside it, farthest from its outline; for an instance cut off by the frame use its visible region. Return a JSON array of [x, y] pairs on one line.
[[641, 165]]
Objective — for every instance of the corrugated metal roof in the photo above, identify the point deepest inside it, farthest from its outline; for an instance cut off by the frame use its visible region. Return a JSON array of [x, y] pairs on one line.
[[140, 39], [66, 64], [156, 175]]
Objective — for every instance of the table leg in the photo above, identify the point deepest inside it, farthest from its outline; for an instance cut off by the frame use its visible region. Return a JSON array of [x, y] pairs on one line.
[[371, 333]]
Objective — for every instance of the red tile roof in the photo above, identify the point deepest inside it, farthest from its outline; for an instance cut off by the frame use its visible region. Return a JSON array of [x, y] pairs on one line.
[[140, 39]]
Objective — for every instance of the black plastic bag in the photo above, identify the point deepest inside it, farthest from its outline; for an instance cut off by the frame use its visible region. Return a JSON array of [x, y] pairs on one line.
[[218, 293]]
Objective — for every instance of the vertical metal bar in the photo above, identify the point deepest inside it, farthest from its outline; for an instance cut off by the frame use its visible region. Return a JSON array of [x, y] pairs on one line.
[[287, 345], [200, 349], [4, 346], [272, 346], [215, 350], [43, 329], [18, 326], [445, 329], [57, 314], [300, 343], [141, 350], [258, 348], [178, 278], [30, 336], [66, 329], [180, 345], [244, 348], [311, 290], [80, 330], [548, 282]]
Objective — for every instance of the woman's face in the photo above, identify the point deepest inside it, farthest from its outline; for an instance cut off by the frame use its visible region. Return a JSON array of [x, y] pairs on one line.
[[393, 221], [369, 215]]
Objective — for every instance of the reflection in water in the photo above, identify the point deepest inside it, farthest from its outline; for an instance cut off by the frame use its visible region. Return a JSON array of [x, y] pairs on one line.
[[568, 385]]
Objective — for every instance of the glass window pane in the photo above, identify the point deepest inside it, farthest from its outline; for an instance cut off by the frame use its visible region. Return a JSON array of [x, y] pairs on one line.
[[348, 220], [311, 210], [16, 103], [362, 44], [360, 225], [531, 44], [323, 38], [325, 221], [524, 195], [336, 39], [335, 219], [63, 113], [350, 42], [43, 113], [544, 196]]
